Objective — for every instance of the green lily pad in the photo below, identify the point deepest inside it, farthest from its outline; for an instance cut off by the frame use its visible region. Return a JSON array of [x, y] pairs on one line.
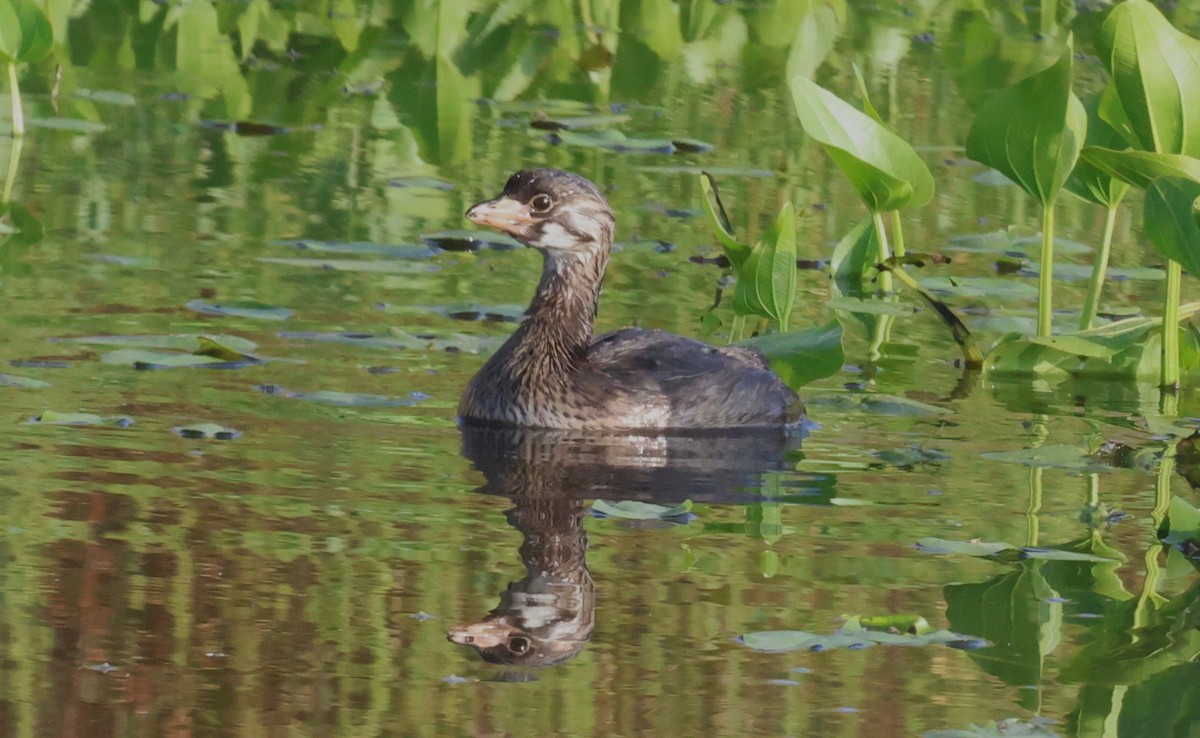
[[53, 417], [1007, 728], [1007, 552], [853, 637], [143, 359], [871, 306], [190, 342], [16, 380], [577, 123], [1004, 241], [383, 250], [421, 183], [208, 430], [1051, 455], [968, 548], [611, 139], [74, 125], [345, 399], [351, 265], [989, 287], [634, 510], [910, 456], [108, 97], [1083, 272], [877, 404], [715, 171], [257, 311], [468, 240]]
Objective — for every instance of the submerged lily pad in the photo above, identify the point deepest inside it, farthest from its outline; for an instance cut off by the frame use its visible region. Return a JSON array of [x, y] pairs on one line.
[[258, 311], [53, 417], [384, 250], [989, 287], [352, 265], [16, 380], [853, 636], [208, 430], [634, 510], [143, 359], [423, 183], [345, 399], [190, 342], [467, 240]]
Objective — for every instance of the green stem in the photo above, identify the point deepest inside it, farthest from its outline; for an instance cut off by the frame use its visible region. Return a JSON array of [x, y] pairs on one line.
[[897, 235], [885, 253], [1170, 342], [1099, 271], [1035, 506], [1046, 273], [18, 117], [14, 161], [736, 328]]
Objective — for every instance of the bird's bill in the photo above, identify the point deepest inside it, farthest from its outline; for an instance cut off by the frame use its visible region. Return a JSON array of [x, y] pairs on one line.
[[503, 214]]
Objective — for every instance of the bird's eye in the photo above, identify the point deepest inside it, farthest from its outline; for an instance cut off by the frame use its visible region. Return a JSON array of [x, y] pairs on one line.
[[518, 645], [541, 204]]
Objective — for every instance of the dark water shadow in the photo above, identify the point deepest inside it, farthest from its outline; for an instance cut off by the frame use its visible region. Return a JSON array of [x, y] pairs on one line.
[[548, 616]]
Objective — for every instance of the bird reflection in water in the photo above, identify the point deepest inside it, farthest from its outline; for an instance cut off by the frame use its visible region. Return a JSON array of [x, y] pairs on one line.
[[548, 616]]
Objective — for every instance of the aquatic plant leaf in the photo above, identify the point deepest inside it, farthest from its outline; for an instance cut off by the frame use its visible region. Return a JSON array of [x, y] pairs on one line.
[[1087, 181], [255, 310], [1182, 523], [736, 252], [53, 417], [972, 356], [1084, 271], [1170, 220], [208, 430], [350, 265], [387, 251], [190, 342], [855, 256], [108, 97], [74, 125], [468, 240], [611, 139], [766, 282], [16, 380], [577, 123], [853, 637], [715, 171], [345, 399], [143, 359], [883, 167], [1004, 241], [1058, 554], [967, 548], [1032, 131], [1138, 168], [881, 404], [1074, 345], [870, 307], [997, 288], [1006, 728], [800, 357], [1156, 76], [1057, 456], [635, 510], [25, 32]]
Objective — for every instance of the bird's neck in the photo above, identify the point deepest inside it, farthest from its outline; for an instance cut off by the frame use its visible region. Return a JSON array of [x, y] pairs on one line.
[[557, 329]]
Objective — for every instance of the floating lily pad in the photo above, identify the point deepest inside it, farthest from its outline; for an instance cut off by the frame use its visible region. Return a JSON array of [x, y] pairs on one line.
[[1006, 242], [109, 97], [367, 340], [634, 510], [611, 139], [1005, 551], [854, 637], [345, 399], [1083, 272], [384, 250], [119, 260], [210, 344], [423, 183], [1007, 728], [1056, 456], [489, 313], [257, 311], [74, 125], [870, 307], [398, 340], [352, 265], [877, 404], [466, 240], [967, 548], [53, 417], [908, 457], [545, 122], [989, 287], [143, 359], [16, 380], [208, 430]]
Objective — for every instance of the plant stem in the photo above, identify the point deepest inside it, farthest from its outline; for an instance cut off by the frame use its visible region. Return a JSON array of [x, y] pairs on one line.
[[736, 328], [14, 161], [1170, 340], [18, 117], [897, 234], [1099, 271], [1046, 273], [885, 253]]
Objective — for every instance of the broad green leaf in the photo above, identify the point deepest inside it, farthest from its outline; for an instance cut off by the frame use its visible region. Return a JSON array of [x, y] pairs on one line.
[[36, 35], [1139, 167], [883, 167], [968, 548], [635, 510], [1087, 181], [800, 357], [240, 310], [855, 255], [1170, 220], [1156, 74], [1182, 523], [997, 288], [10, 32], [1032, 131], [1074, 345], [766, 282], [737, 253]]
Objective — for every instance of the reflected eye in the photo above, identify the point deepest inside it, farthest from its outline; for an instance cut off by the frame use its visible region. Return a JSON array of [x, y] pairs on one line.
[[519, 645], [541, 204]]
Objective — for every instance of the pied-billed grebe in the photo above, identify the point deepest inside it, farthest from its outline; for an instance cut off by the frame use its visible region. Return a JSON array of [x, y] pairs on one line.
[[551, 374]]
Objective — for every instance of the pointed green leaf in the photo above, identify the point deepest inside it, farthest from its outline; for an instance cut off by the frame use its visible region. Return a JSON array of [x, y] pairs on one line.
[[855, 255], [883, 167], [1139, 167], [37, 37], [802, 356], [737, 253], [1170, 221], [1087, 181], [1156, 73], [766, 283], [1032, 131]]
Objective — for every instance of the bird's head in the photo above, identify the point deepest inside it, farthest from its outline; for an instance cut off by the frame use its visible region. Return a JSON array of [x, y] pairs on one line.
[[553, 211]]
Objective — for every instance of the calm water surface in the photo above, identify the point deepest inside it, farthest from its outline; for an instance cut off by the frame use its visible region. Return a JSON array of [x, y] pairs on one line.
[[299, 574]]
